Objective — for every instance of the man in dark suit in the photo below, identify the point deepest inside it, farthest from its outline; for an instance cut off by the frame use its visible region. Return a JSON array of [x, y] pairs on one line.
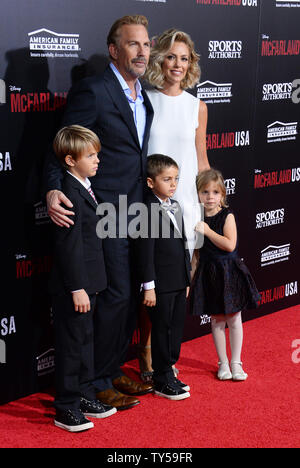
[[116, 108], [163, 265], [77, 277]]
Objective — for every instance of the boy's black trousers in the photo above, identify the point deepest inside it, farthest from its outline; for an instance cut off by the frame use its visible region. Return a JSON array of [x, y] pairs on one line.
[[74, 352], [167, 318]]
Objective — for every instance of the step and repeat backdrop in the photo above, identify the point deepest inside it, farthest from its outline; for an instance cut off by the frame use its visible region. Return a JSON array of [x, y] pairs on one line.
[[250, 56]]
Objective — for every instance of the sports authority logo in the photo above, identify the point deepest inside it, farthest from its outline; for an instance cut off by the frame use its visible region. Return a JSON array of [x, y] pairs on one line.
[[279, 47], [214, 93], [270, 179], [280, 131], [226, 50], [230, 185], [230, 3], [277, 91], [46, 43], [279, 292], [269, 218], [275, 254], [228, 139], [287, 4], [2, 92]]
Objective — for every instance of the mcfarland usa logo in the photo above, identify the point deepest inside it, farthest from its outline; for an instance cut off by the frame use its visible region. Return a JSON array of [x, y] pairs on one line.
[[269, 218], [36, 266], [271, 179], [226, 50], [230, 3], [279, 292], [279, 47], [35, 102], [228, 139], [275, 254], [214, 93], [46, 43], [7, 327], [282, 131], [5, 162]]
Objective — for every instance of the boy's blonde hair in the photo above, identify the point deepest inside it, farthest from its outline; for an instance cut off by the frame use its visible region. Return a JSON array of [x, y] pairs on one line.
[[212, 175], [72, 141]]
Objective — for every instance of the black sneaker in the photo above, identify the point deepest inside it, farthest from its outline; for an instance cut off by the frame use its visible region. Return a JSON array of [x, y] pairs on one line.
[[182, 385], [72, 421], [96, 409], [170, 391]]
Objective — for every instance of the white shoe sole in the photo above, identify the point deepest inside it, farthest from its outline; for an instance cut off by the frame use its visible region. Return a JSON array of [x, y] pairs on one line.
[[80, 428], [183, 396], [101, 415]]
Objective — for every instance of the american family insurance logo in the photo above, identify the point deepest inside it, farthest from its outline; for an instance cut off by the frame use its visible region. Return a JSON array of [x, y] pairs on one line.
[[45, 362], [214, 93], [287, 4], [280, 131], [229, 3], [46, 43], [275, 254]]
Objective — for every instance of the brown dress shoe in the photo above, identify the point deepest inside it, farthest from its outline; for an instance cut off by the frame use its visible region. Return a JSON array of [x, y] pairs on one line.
[[128, 386], [116, 399]]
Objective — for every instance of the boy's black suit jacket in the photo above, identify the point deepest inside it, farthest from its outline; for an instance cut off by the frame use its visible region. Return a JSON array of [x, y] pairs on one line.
[[166, 260], [99, 103], [78, 255]]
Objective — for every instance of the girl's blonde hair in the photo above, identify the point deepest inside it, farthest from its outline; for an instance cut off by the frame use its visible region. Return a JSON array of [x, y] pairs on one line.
[[162, 45], [212, 175]]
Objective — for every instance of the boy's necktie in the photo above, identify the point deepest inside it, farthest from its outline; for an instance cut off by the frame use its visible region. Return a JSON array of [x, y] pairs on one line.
[[92, 194]]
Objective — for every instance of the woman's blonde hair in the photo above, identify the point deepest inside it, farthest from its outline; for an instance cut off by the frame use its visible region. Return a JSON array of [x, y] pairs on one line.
[[212, 175], [162, 45]]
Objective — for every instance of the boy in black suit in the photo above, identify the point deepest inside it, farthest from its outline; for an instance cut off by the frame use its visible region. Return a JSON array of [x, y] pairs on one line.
[[163, 265], [78, 275]]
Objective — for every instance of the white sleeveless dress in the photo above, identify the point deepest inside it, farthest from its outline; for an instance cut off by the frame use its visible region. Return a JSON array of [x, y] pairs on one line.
[[173, 134]]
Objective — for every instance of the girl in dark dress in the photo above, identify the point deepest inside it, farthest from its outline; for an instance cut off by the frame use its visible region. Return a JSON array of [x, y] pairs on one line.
[[222, 285]]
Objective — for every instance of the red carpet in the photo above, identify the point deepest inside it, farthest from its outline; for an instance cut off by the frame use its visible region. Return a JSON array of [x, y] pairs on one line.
[[262, 412]]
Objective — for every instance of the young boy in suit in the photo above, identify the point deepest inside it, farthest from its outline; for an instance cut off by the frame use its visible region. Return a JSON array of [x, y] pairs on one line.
[[78, 275], [163, 265]]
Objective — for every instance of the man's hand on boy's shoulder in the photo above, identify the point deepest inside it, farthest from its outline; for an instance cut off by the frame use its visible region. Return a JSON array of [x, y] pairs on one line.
[[56, 212], [149, 298]]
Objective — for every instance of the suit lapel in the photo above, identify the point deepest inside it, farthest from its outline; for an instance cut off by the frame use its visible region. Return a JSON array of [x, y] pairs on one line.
[[149, 118], [83, 191], [118, 97]]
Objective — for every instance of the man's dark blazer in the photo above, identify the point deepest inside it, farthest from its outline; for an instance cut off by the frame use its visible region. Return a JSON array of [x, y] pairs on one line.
[[166, 260], [99, 103], [78, 255]]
